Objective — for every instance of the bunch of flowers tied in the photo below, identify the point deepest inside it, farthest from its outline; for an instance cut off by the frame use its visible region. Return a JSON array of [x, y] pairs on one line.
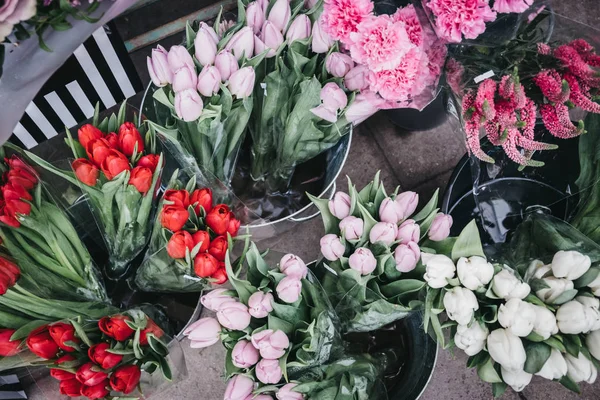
[[371, 269], [120, 174], [189, 242]]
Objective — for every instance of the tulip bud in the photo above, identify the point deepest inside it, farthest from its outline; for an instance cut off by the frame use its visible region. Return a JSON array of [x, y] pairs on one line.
[[255, 16], [99, 354], [517, 380], [364, 105], [158, 67], [517, 316], [239, 388], [592, 342], [299, 29], [149, 161], [130, 139], [234, 315], [271, 344], [260, 304], [570, 265], [332, 247], [202, 198], [70, 388], [363, 261], [338, 64], [8, 348], [61, 333], [41, 343], [234, 225], [440, 227], [185, 78], [438, 269], [460, 305], [242, 43], [289, 289], [471, 339], [545, 322], [125, 379], [268, 371], [86, 171], [555, 366], [205, 265], [271, 36], [209, 81], [89, 376], [581, 369], [241, 82], [224, 26], [573, 318], [407, 204], [203, 333], [244, 354], [357, 78], [506, 349], [259, 397], [116, 327], [409, 231], [536, 270], [97, 150], [287, 393], [293, 266], [389, 211], [507, 286], [218, 219], [218, 248], [595, 286], [280, 14], [215, 298], [321, 41], [339, 206], [227, 64], [178, 58], [205, 45], [407, 256], [474, 272], [383, 232], [592, 311], [179, 243], [333, 97], [174, 218], [352, 228], [188, 105], [555, 288], [325, 113], [141, 179]]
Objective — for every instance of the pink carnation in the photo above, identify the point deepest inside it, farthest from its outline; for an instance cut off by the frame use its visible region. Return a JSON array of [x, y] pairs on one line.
[[412, 25], [457, 18], [512, 6], [341, 17], [404, 81]]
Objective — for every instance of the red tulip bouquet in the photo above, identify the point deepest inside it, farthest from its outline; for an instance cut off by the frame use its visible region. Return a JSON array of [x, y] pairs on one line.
[[372, 249], [190, 239], [120, 174]]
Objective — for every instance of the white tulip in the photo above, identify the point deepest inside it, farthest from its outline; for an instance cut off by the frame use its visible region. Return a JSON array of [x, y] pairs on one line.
[[506, 349], [556, 287], [570, 264], [545, 322], [537, 270], [471, 339], [474, 272], [595, 286], [574, 318], [555, 366], [592, 342], [592, 311], [580, 369], [516, 379], [517, 316], [438, 269], [460, 305], [507, 286]]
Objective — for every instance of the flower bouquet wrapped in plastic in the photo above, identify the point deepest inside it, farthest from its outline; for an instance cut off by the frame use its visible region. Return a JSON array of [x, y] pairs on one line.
[[120, 173]]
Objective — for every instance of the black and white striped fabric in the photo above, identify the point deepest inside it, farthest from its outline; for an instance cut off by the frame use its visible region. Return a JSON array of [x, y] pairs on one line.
[[100, 70]]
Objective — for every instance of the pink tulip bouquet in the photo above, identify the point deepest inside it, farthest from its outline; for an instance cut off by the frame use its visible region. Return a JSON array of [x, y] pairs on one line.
[[372, 269]]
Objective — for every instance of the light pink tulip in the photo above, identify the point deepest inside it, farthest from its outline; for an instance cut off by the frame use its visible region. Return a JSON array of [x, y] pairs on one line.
[[272, 38], [352, 228], [339, 206], [389, 211], [364, 105], [299, 29], [289, 289], [268, 371], [357, 78], [338, 64], [333, 97], [409, 231], [185, 78], [244, 354], [259, 397], [271, 344], [179, 57], [280, 14], [383, 232], [363, 261], [407, 204], [332, 247], [260, 47], [209, 81], [321, 41], [205, 45], [227, 64], [215, 298], [407, 256], [241, 82], [293, 266], [242, 43], [188, 105], [325, 113], [158, 67], [287, 393], [239, 388], [255, 16], [224, 26], [234, 315], [260, 304], [203, 333], [14, 11], [264, 4], [210, 30], [440, 227]]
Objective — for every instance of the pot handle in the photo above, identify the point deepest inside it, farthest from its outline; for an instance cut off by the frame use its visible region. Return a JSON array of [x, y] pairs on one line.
[[302, 219]]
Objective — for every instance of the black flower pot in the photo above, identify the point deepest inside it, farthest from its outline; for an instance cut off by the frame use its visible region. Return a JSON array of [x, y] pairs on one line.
[[430, 117]]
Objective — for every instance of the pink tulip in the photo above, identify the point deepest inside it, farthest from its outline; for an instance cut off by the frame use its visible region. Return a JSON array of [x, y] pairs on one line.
[[299, 29], [289, 289], [363, 261], [179, 57], [409, 231], [215, 298], [239, 388], [407, 204], [389, 211], [209, 81], [292, 265], [242, 43], [271, 344], [333, 97], [352, 228], [407, 256], [287, 393], [338, 64], [260, 47], [272, 38], [357, 78], [268, 371], [339, 206], [224, 26], [440, 227], [383, 232], [227, 64], [210, 30], [203, 333], [325, 113], [280, 14], [205, 45], [241, 82], [264, 5], [185, 78], [321, 42], [188, 105], [259, 397], [158, 67], [260, 304], [255, 16], [244, 354], [364, 105], [332, 247], [234, 315]]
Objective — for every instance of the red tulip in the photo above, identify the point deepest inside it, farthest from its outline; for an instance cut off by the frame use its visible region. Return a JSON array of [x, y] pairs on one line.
[[129, 136], [90, 374], [14, 207], [15, 162], [15, 192], [98, 353], [202, 198], [86, 171], [114, 163], [141, 178], [218, 219], [220, 277], [218, 248], [41, 343], [179, 198], [87, 133], [8, 347], [205, 265], [97, 150], [179, 242], [21, 177], [234, 225], [149, 161], [98, 391], [152, 328], [116, 327], [125, 378], [9, 274], [71, 388], [61, 333], [61, 374], [174, 218], [113, 140], [204, 237], [9, 220]]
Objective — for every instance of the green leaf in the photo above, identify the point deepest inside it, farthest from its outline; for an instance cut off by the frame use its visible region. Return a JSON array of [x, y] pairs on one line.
[[279, 324], [429, 208], [498, 389], [487, 372], [121, 115], [468, 243], [571, 346], [537, 355], [330, 222], [568, 382], [556, 344], [587, 278], [402, 286], [23, 331], [566, 296], [243, 288], [534, 337]]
